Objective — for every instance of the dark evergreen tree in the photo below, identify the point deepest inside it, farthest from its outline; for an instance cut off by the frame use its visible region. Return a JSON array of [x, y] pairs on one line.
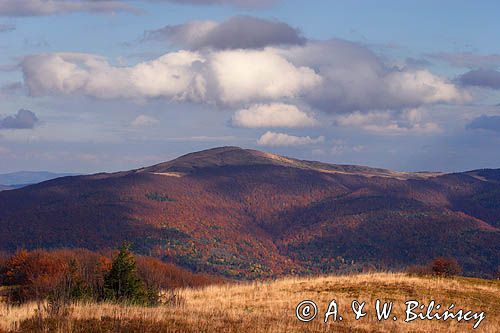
[[123, 284]]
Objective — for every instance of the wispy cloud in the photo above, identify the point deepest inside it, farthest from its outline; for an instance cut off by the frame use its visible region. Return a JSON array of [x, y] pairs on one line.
[[16, 8], [49, 7], [7, 27], [468, 59], [389, 122]]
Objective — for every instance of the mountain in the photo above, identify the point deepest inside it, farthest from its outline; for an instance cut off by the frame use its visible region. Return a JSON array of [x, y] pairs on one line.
[[246, 214], [9, 181]]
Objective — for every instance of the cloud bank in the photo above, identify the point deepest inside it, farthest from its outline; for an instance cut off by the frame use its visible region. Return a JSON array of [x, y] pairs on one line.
[[265, 70], [334, 76]]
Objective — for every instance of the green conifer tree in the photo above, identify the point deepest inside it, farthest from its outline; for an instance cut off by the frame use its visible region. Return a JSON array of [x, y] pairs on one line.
[[122, 283]]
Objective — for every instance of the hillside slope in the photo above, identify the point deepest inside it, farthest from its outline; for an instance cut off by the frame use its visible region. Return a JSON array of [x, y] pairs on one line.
[[271, 307], [248, 214]]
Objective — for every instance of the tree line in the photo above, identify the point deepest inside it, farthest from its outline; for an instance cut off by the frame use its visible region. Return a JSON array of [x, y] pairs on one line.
[[70, 275]]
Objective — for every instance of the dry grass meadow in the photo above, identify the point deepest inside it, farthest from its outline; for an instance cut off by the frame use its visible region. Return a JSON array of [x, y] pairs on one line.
[[270, 307]]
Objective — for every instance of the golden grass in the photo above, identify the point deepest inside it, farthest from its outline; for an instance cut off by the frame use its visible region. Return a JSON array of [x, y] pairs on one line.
[[270, 306]]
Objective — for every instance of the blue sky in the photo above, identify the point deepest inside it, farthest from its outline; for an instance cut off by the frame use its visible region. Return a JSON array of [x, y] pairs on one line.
[[113, 85]]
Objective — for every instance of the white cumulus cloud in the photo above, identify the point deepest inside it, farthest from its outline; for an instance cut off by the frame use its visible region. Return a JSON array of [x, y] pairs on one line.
[[356, 79], [249, 75], [144, 121], [282, 139], [171, 76], [272, 115]]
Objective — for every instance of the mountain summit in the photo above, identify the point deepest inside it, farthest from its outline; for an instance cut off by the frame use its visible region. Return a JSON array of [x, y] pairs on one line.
[[247, 214], [236, 156]]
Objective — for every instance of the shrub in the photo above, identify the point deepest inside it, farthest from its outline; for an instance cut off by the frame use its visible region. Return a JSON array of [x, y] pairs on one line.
[[442, 266]]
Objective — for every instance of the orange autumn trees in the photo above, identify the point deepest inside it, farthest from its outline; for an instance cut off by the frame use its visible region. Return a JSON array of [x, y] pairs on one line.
[[79, 274]]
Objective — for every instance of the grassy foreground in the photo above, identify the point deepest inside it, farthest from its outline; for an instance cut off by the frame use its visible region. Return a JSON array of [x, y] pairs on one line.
[[270, 307]]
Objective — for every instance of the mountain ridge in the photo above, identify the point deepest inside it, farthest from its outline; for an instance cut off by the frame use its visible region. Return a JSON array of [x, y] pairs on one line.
[[248, 214]]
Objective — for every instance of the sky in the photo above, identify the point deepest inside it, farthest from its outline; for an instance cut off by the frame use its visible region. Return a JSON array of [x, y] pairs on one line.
[[106, 85]]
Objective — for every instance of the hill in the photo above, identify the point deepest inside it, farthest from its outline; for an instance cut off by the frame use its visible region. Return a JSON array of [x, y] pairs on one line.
[[271, 307], [249, 214]]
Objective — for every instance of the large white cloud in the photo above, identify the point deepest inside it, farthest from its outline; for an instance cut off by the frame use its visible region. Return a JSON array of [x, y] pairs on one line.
[[249, 75], [234, 76], [272, 115], [355, 79], [171, 76], [275, 139]]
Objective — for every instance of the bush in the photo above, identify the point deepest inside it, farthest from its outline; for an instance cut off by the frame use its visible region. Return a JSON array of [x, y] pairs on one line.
[[442, 266]]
